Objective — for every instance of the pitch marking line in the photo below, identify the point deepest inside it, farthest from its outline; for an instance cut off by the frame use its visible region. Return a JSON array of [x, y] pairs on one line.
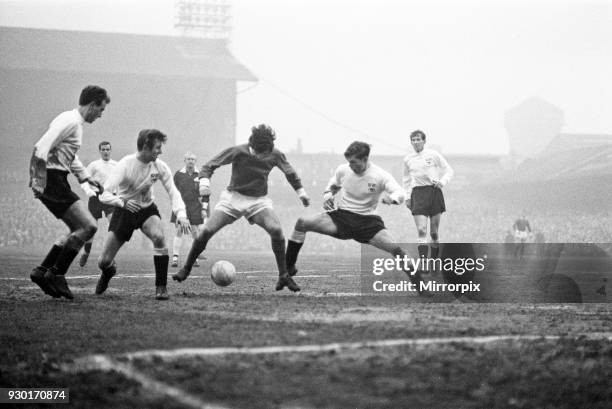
[[103, 363], [107, 364]]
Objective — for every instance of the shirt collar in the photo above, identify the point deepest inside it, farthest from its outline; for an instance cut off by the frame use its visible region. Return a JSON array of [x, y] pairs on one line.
[[77, 114]]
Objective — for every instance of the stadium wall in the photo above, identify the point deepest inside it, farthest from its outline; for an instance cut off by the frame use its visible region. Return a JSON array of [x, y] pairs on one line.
[[197, 114]]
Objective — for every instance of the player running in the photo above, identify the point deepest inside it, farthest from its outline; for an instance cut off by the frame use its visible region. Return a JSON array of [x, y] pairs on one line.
[[246, 196], [130, 189], [55, 155], [426, 172], [99, 170], [359, 185], [186, 181]]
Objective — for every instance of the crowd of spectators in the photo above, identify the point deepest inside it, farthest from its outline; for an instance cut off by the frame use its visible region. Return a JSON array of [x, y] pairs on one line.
[[472, 216]]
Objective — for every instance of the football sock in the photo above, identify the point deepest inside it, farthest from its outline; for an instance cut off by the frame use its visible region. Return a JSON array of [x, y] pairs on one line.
[[87, 247], [435, 249], [278, 247], [51, 257], [67, 255], [176, 245], [422, 248], [293, 249], [161, 261]]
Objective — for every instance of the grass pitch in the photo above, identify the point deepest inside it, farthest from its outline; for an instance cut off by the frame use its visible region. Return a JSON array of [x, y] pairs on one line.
[[45, 341]]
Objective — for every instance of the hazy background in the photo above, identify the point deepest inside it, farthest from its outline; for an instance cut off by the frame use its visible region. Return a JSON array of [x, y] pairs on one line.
[[333, 71]]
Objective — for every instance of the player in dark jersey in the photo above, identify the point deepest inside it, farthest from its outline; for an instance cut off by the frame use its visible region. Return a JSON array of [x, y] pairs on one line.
[[246, 196], [522, 231]]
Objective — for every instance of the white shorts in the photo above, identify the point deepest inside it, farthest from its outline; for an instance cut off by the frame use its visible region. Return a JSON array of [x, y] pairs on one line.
[[236, 205], [521, 235]]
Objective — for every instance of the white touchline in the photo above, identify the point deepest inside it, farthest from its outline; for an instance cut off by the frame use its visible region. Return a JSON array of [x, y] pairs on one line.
[[103, 363], [189, 352]]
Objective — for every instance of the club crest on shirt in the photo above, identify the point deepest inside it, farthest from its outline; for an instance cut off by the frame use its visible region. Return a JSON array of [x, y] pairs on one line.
[[154, 177], [371, 187], [429, 161]]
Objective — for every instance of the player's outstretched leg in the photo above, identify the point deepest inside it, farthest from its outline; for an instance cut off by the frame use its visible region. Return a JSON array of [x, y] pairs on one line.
[[294, 245], [214, 223], [385, 241]]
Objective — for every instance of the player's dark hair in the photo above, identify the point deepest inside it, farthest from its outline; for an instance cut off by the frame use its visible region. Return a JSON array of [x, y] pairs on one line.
[[148, 137], [262, 138], [359, 149], [103, 143], [420, 133], [95, 94]]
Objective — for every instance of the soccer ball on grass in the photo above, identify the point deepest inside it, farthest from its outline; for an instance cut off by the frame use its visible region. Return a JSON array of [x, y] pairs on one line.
[[223, 273]]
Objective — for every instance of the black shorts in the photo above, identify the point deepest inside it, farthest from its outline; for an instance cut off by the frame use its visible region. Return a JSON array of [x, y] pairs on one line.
[[96, 208], [356, 226], [193, 209], [123, 222], [427, 201], [58, 196]]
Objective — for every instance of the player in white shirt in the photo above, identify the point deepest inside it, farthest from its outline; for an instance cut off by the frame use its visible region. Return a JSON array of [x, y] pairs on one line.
[[356, 187], [54, 157], [130, 189], [99, 170], [426, 172]]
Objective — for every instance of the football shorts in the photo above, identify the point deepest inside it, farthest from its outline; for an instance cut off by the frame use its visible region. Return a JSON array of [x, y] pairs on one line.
[[238, 205], [427, 201], [57, 196], [356, 226]]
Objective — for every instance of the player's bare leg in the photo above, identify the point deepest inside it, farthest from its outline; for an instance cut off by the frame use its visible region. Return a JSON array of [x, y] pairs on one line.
[[268, 220], [384, 240], [82, 226], [421, 225], [214, 223], [177, 243], [320, 223], [106, 261], [152, 228], [434, 225]]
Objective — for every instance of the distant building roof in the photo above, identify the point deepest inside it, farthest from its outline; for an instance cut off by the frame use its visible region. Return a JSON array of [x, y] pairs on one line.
[[572, 141], [84, 51]]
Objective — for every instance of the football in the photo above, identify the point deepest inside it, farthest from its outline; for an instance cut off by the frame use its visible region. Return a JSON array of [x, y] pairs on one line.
[[223, 273]]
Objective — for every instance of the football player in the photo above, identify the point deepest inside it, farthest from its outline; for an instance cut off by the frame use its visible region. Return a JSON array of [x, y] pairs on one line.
[[99, 170], [246, 196], [360, 184], [54, 156], [130, 189]]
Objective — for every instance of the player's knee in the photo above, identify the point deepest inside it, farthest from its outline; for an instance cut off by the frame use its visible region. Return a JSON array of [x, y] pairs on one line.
[[158, 240], [276, 233], [89, 231], [104, 262], [422, 231], [434, 236], [302, 224]]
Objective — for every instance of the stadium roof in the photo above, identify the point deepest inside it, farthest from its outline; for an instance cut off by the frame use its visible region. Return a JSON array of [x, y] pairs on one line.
[[572, 141], [84, 51]]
